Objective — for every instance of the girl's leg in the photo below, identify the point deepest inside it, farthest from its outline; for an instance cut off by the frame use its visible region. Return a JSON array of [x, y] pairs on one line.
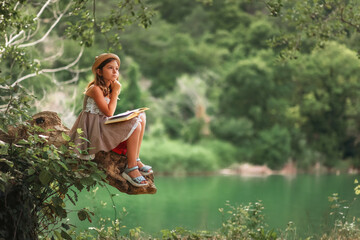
[[132, 149], [143, 124]]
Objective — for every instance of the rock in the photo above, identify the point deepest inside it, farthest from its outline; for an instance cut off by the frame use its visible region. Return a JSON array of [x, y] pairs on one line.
[[247, 169], [112, 163], [288, 169]]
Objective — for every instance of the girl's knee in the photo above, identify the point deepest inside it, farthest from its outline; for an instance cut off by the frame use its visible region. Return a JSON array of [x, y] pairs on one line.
[[143, 117]]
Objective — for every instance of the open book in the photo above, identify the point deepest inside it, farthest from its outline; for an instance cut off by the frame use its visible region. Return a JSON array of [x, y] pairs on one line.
[[125, 115]]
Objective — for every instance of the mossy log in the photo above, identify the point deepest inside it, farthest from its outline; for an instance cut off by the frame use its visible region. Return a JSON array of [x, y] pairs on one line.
[[112, 163]]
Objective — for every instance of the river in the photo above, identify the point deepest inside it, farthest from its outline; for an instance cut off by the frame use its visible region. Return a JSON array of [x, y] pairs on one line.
[[193, 202]]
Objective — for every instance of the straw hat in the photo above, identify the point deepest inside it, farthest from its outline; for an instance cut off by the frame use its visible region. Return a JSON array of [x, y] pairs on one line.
[[102, 57]]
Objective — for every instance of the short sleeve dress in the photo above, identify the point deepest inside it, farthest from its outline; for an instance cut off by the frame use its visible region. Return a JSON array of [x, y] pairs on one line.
[[101, 136]]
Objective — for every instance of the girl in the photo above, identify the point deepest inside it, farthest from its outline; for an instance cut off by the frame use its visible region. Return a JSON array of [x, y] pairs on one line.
[[99, 103]]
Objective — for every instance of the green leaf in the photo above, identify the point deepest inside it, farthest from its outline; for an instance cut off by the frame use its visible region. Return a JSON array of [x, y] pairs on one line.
[[82, 215], [23, 142], [63, 165], [31, 171], [2, 143], [79, 131], [65, 137], [84, 139], [9, 163], [65, 235], [57, 200], [87, 181], [60, 211], [45, 177], [71, 199], [58, 235], [65, 226]]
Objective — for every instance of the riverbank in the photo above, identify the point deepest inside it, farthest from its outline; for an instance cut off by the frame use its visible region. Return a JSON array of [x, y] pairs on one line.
[[289, 169]]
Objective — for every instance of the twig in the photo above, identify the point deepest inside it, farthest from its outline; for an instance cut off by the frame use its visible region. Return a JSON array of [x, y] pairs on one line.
[[42, 10], [113, 204], [51, 70], [17, 224], [347, 22], [12, 39], [49, 31]]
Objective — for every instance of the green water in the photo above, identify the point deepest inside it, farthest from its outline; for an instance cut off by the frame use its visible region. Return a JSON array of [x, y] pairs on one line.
[[193, 202]]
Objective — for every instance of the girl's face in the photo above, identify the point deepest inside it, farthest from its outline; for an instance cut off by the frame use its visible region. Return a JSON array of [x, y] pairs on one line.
[[110, 71]]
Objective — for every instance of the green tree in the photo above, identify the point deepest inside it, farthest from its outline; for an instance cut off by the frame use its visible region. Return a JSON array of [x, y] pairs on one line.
[[248, 86], [307, 24], [328, 96]]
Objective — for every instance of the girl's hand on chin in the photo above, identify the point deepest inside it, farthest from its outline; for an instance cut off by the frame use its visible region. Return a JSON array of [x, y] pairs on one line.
[[115, 85]]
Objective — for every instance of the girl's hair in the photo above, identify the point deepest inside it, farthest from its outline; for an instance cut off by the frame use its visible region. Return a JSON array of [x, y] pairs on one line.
[[99, 80]]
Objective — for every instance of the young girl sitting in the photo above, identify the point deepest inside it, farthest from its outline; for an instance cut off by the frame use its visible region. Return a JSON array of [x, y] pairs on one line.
[[99, 103]]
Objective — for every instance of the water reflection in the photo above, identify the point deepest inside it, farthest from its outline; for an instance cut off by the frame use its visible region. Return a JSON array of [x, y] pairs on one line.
[[193, 202]]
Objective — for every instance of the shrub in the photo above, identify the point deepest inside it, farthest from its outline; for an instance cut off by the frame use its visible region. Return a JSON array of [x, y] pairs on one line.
[[36, 178], [225, 152], [177, 157]]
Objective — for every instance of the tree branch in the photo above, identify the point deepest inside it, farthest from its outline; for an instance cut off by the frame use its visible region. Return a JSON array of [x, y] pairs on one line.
[[42, 10], [30, 35], [342, 19], [49, 31], [50, 70], [12, 39], [57, 55]]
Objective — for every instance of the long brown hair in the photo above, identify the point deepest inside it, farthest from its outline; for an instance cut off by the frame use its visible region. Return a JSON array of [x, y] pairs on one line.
[[99, 80]]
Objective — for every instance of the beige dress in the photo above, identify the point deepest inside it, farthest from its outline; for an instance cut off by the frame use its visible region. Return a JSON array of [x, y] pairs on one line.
[[101, 136]]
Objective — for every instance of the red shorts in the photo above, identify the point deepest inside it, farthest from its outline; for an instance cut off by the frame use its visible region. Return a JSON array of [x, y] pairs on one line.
[[121, 148]]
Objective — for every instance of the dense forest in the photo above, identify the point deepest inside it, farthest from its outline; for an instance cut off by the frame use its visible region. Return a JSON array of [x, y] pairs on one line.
[[220, 91], [221, 84]]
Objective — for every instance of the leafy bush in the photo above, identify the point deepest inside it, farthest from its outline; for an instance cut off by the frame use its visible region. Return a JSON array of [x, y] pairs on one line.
[[225, 153], [246, 222], [36, 178], [176, 157], [272, 147], [235, 130]]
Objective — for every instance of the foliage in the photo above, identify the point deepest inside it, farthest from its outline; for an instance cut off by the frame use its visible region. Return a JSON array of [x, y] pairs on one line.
[[171, 54], [272, 147], [341, 227], [37, 179], [208, 69], [357, 188], [239, 222], [177, 158], [246, 222], [225, 152], [33, 34], [327, 95], [317, 21]]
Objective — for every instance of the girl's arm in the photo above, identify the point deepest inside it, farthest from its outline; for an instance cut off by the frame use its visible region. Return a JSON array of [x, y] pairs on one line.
[[108, 109]]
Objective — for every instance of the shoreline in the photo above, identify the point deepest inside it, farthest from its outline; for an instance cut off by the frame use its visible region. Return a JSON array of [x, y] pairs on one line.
[[250, 170]]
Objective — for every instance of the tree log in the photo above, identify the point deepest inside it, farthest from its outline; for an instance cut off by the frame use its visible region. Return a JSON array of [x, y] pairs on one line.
[[112, 163]]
